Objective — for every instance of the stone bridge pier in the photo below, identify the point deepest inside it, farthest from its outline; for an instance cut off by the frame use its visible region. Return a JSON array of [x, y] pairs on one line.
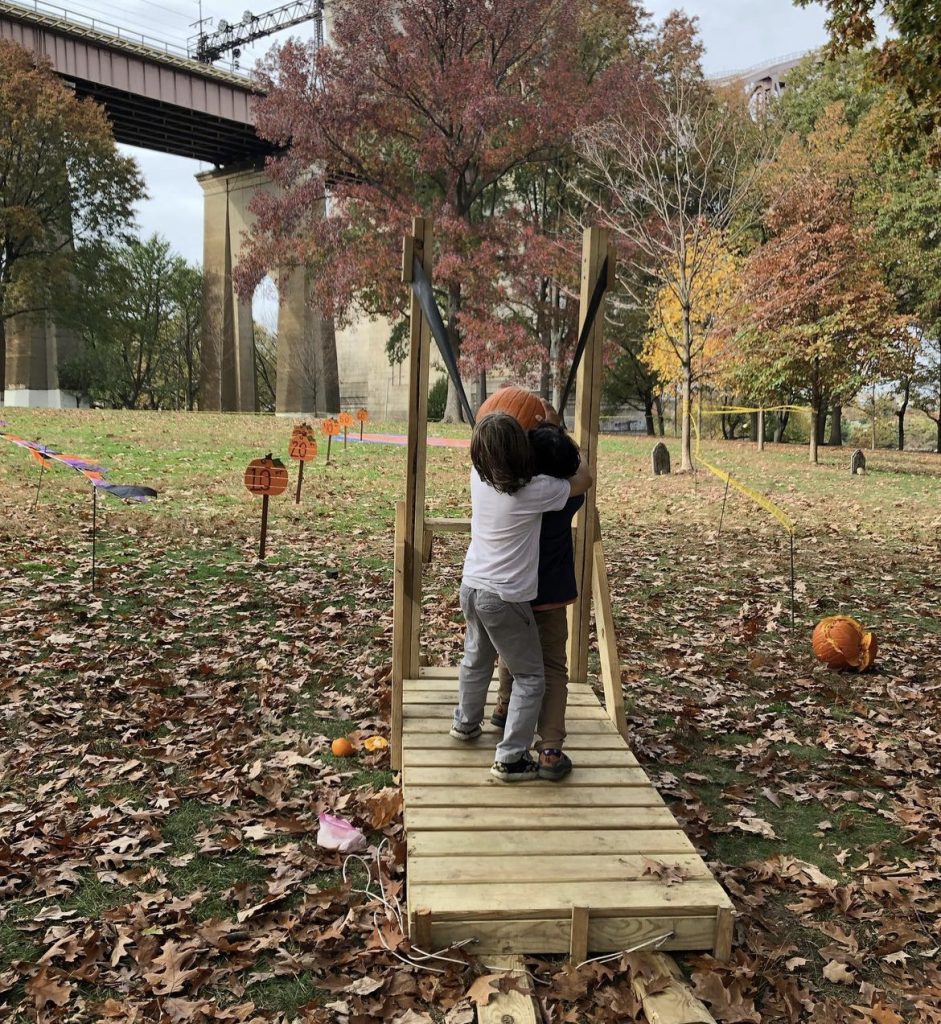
[[307, 369]]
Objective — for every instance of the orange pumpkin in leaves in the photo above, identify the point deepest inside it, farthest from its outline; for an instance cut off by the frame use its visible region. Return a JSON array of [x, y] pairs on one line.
[[839, 641], [341, 747], [523, 405]]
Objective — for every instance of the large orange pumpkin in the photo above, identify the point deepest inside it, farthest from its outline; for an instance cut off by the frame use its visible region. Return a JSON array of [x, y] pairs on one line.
[[526, 407], [841, 642], [266, 476]]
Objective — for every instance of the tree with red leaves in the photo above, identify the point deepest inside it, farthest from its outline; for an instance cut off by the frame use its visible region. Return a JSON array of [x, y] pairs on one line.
[[431, 107]]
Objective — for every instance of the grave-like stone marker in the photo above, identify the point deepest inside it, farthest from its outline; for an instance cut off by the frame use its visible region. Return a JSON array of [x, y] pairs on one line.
[[858, 462], [660, 459]]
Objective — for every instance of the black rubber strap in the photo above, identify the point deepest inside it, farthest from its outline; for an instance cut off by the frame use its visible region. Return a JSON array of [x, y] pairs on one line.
[[426, 299], [593, 304]]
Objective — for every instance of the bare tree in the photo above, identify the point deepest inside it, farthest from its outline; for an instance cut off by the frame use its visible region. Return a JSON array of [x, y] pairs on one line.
[[673, 177]]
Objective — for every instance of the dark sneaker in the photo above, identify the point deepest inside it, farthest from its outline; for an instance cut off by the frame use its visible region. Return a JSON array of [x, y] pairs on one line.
[[524, 769], [553, 764], [466, 732], [498, 718]]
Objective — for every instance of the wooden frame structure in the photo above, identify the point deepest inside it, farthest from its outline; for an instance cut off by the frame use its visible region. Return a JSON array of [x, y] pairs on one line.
[[543, 867]]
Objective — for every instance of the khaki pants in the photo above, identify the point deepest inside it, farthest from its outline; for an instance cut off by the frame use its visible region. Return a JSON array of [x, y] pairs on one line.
[[553, 635]]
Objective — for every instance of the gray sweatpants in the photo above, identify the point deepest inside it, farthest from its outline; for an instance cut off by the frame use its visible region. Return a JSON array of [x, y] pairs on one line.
[[499, 627]]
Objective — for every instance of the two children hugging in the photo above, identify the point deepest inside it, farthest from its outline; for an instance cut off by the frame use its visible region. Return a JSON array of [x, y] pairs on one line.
[[514, 560]]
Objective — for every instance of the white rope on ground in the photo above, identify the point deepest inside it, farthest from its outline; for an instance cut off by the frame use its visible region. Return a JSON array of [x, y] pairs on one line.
[[657, 941]]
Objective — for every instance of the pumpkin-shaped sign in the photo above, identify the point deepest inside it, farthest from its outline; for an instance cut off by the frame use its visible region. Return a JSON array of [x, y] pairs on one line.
[[345, 420], [525, 406], [841, 642], [330, 427], [303, 446], [266, 476], [362, 415]]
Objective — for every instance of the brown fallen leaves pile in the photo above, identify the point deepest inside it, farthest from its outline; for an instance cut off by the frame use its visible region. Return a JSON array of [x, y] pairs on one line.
[[166, 754]]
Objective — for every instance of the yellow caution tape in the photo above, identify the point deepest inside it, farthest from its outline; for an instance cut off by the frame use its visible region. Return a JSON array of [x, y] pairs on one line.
[[724, 410], [766, 503]]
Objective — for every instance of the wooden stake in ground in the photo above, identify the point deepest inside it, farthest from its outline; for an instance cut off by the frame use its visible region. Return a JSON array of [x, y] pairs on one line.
[[94, 532], [266, 477], [362, 415], [331, 428], [303, 447], [346, 421]]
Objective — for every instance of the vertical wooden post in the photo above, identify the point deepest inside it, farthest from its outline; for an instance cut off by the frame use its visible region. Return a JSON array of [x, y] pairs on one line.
[[725, 929], [761, 429], [406, 651], [400, 629], [607, 638], [578, 942], [595, 248]]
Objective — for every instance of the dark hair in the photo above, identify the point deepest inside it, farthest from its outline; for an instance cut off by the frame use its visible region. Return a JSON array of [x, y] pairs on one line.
[[554, 452], [501, 453]]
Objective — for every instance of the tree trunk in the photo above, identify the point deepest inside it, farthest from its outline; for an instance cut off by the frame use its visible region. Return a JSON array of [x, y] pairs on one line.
[[331, 371], [724, 421], [906, 391], [658, 405], [481, 387], [814, 423], [820, 425], [938, 438], [761, 430], [685, 443], [836, 425], [873, 445], [648, 414], [3, 354], [780, 426], [453, 413], [753, 426]]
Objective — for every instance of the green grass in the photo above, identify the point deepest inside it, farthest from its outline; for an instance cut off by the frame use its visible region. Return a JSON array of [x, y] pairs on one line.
[[205, 667]]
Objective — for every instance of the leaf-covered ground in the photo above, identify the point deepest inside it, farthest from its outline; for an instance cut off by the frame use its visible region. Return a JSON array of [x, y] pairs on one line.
[[166, 742]]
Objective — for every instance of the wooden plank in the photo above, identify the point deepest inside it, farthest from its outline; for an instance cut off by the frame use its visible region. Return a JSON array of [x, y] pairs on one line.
[[445, 712], [444, 524], [416, 452], [473, 778], [420, 933], [438, 672], [501, 795], [516, 1006], [673, 1004], [579, 727], [586, 867], [401, 629], [532, 900], [538, 819], [448, 697], [725, 930], [567, 841], [585, 434], [578, 942], [477, 756], [436, 739], [553, 935], [607, 640]]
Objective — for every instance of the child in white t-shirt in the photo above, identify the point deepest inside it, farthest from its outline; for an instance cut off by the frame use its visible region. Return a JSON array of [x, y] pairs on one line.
[[500, 580]]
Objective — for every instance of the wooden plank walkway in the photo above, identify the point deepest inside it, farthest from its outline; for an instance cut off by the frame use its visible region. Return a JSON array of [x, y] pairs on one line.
[[523, 868]]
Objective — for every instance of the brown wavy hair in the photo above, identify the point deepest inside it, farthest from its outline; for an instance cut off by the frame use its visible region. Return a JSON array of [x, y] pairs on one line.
[[501, 453]]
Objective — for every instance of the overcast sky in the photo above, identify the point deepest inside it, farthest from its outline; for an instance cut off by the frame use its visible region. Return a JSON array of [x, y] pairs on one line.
[[737, 34]]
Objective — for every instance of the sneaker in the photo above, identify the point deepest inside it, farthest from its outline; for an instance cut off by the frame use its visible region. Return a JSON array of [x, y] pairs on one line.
[[465, 732], [524, 769], [553, 764], [498, 718]]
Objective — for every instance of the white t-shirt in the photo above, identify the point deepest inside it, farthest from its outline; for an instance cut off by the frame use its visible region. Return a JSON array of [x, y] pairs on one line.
[[503, 556]]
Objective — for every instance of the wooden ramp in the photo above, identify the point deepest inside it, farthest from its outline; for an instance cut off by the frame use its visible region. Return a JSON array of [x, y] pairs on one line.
[[545, 867]]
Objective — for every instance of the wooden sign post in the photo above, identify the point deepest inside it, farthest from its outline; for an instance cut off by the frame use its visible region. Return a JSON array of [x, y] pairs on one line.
[[303, 447], [266, 476], [330, 428], [362, 415], [345, 420]]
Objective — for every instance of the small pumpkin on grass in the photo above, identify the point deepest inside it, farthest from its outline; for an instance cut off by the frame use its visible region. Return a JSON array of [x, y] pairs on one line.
[[341, 747], [839, 641]]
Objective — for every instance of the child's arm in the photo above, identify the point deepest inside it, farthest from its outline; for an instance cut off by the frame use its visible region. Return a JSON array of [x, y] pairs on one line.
[[582, 480]]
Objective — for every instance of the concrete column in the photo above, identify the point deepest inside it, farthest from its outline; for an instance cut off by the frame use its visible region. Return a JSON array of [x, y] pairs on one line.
[[35, 347], [307, 366], [227, 378]]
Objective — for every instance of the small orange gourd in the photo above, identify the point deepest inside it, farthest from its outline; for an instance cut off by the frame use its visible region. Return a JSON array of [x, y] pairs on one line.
[[341, 747], [523, 405]]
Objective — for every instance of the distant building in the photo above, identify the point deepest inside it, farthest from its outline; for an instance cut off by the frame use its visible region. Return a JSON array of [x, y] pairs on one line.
[[763, 81]]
